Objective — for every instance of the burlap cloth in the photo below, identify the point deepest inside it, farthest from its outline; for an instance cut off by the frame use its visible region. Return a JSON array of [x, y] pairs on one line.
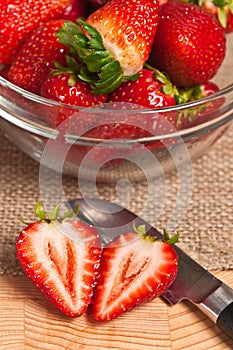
[[205, 226]]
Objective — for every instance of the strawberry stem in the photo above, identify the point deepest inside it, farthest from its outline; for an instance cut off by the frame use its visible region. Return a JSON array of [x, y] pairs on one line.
[[141, 230], [99, 67], [54, 215], [168, 88]]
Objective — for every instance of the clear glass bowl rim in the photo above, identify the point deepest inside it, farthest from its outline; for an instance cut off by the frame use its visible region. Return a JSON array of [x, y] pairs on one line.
[[46, 131]]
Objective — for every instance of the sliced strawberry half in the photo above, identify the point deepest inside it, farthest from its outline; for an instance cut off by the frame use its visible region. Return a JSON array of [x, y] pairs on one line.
[[135, 268], [63, 269]]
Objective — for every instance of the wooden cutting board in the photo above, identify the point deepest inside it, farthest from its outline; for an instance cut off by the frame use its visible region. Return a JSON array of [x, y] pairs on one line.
[[28, 321]]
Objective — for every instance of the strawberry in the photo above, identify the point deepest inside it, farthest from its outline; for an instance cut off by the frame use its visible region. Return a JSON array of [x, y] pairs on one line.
[[114, 42], [70, 90], [189, 45], [97, 3], [19, 17], [152, 89], [222, 10], [4, 72], [75, 9], [36, 57], [135, 268], [202, 112], [62, 258]]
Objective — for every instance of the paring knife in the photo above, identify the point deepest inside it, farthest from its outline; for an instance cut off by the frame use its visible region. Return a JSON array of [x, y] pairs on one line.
[[193, 282]]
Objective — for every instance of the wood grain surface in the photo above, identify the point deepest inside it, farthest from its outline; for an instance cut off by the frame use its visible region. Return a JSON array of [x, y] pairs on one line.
[[28, 321]]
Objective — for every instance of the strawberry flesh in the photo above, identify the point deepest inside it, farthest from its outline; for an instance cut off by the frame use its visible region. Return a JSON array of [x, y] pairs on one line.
[[133, 270], [63, 270]]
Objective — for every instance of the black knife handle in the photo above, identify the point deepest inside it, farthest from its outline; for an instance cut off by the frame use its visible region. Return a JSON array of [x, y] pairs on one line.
[[218, 306], [225, 320]]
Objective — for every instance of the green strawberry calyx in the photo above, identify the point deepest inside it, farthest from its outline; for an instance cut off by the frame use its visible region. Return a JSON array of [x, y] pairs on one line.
[[190, 94], [54, 214], [98, 65], [141, 230], [167, 87]]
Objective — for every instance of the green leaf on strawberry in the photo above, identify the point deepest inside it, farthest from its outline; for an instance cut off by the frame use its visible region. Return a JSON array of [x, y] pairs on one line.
[[100, 69]]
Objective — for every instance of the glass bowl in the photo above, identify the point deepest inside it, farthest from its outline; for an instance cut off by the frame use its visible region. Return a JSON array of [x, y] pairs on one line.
[[29, 121]]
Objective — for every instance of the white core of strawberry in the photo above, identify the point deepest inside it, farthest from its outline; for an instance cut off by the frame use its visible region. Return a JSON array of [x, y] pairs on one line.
[[129, 58]]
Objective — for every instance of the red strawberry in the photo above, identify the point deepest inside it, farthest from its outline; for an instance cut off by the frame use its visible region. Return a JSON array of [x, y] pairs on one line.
[[220, 9], [196, 92], [70, 90], [62, 259], [202, 112], [36, 57], [75, 9], [19, 17], [223, 11], [189, 44], [4, 72], [152, 89], [134, 269], [98, 3], [118, 42]]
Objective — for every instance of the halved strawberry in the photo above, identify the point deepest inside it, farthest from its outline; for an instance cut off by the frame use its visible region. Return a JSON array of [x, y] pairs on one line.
[[62, 259], [135, 268], [114, 42]]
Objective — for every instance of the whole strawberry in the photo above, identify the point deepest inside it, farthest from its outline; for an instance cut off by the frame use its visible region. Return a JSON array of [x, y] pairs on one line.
[[19, 17], [61, 255], [151, 89], [118, 40], [35, 58], [189, 45], [202, 112], [75, 9], [68, 89], [98, 3], [220, 9]]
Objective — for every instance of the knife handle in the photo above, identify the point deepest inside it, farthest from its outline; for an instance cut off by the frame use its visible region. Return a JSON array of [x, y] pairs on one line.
[[225, 320], [218, 306]]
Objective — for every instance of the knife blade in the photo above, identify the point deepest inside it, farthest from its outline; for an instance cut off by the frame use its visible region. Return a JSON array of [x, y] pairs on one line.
[[193, 282]]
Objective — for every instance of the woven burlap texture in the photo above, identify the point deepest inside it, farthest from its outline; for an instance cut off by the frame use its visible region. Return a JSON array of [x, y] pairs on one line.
[[205, 226]]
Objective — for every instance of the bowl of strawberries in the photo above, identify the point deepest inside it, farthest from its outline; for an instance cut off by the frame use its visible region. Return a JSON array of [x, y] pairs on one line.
[[112, 89]]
